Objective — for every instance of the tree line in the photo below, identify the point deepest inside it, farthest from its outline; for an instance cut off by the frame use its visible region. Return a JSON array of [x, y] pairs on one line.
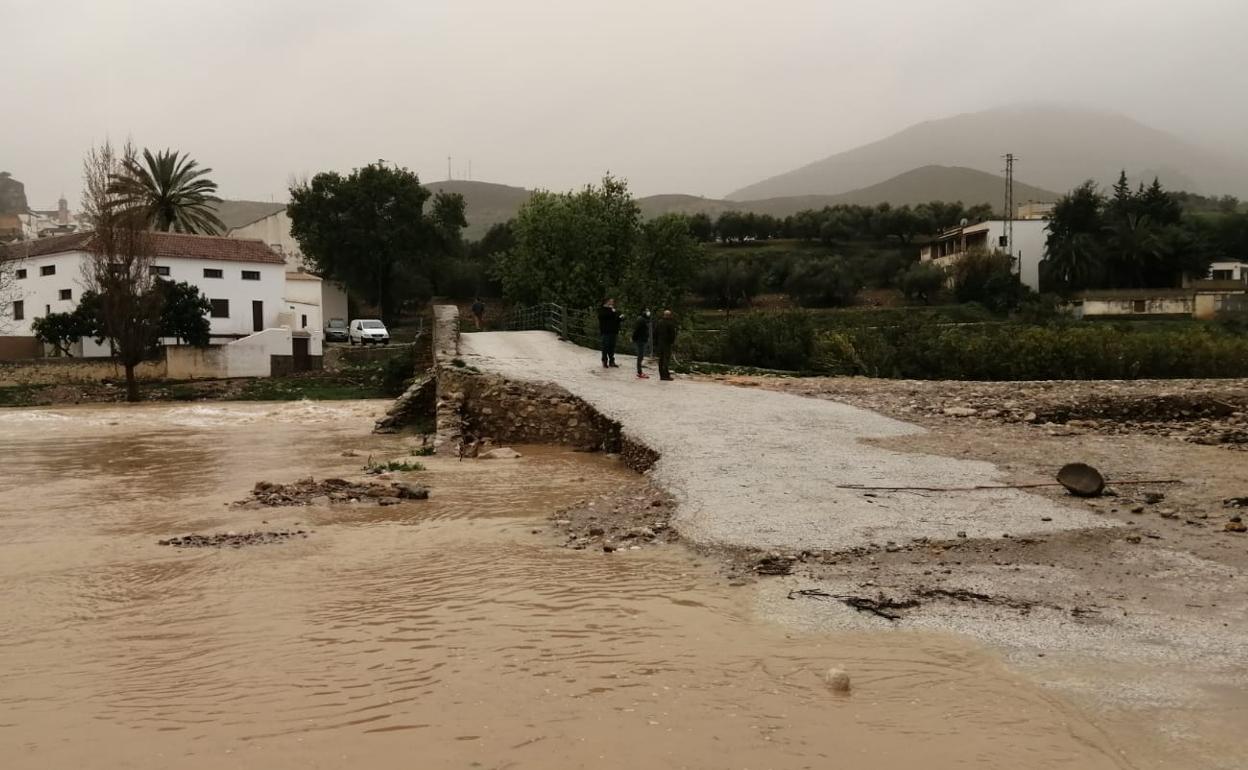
[[1146, 237], [837, 224]]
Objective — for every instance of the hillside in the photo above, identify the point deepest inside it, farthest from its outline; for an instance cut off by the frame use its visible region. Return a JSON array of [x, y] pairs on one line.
[[487, 203], [1058, 148], [491, 203]]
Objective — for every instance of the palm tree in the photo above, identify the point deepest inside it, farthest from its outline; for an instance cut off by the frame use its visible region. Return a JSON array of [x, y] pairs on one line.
[[169, 191], [1135, 250]]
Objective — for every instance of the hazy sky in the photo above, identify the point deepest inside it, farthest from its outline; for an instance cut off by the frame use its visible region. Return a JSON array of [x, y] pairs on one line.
[[696, 96]]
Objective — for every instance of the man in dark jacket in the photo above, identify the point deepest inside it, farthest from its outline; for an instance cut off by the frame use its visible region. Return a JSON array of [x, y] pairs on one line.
[[664, 341], [609, 329], [641, 340]]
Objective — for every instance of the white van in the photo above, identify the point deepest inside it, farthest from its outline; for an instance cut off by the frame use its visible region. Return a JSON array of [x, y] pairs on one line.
[[368, 330]]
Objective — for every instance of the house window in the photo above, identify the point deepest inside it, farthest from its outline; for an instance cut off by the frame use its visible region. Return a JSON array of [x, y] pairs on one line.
[[47, 270], [213, 272], [1138, 306], [1223, 275], [158, 270], [251, 275], [303, 322], [67, 293], [220, 308], [19, 274], [19, 310]]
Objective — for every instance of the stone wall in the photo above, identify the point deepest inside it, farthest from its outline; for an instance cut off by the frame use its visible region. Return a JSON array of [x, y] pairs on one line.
[[19, 348], [506, 411], [338, 357], [56, 371], [473, 405]]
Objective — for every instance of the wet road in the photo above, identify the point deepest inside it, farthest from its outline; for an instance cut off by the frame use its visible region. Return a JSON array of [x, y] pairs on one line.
[[443, 633]]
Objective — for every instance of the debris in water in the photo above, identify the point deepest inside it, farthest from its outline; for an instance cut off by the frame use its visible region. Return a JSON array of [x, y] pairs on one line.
[[882, 606], [837, 680], [309, 491], [232, 539]]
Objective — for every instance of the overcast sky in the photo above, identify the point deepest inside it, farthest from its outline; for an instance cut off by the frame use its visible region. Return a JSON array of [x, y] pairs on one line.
[[695, 96]]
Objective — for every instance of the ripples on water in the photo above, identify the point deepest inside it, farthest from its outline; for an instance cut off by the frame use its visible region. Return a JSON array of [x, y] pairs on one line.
[[436, 634]]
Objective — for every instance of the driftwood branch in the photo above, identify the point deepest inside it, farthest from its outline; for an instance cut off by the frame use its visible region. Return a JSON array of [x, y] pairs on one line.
[[993, 486]]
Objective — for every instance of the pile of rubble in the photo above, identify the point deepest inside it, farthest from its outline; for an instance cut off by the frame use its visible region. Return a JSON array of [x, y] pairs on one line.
[[309, 491], [1212, 412], [232, 539], [625, 521]]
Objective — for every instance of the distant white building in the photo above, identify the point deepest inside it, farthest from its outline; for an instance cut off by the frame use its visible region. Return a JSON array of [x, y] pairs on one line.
[[269, 223], [1027, 248], [244, 280], [1229, 271]]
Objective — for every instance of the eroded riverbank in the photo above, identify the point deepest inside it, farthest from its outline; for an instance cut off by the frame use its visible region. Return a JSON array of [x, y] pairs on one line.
[[442, 632]]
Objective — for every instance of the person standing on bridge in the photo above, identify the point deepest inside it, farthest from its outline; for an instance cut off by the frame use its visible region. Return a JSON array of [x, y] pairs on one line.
[[664, 342], [609, 330], [641, 340], [478, 313]]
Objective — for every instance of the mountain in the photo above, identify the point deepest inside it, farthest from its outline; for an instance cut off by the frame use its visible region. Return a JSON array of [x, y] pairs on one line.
[[1058, 148], [486, 203], [489, 203]]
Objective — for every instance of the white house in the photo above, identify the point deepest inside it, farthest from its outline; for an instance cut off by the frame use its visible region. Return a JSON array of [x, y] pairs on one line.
[[244, 280], [1027, 249], [1229, 271], [269, 223]]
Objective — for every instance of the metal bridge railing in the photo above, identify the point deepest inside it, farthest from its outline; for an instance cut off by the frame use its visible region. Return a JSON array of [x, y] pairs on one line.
[[576, 325]]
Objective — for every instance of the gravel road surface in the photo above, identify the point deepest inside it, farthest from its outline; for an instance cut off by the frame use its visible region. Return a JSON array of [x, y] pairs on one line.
[[763, 469]]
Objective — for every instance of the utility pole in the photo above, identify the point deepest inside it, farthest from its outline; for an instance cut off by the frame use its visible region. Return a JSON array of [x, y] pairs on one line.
[[448, 168], [1009, 203]]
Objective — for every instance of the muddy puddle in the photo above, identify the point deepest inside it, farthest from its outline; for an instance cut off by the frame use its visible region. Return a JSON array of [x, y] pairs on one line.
[[431, 634]]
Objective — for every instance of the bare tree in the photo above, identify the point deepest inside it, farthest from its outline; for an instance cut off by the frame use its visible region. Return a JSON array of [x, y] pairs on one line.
[[119, 271], [8, 290]]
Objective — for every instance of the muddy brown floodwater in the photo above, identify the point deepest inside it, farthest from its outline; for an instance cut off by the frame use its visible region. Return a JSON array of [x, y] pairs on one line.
[[431, 634]]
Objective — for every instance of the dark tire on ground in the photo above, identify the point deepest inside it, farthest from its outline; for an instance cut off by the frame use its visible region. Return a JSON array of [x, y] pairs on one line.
[[1081, 479]]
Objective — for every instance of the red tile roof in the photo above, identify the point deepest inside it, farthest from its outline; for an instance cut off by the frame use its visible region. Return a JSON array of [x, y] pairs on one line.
[[164, 246]]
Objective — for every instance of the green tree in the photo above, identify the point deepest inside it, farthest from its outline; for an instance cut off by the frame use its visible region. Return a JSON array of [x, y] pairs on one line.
[[701, 227], [183, 312], [168, 191], [922, 281], [370, 232], [573, 248], [823, 283], [62, 330], [665, 265], [729, 283], [989, 279], [1074, 258]]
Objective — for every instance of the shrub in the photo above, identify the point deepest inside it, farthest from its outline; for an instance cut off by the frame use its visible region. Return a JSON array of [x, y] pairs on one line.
[[823, 283], [397, 370], [770, 341], [922, 281], [1029, 352], [989, 280]]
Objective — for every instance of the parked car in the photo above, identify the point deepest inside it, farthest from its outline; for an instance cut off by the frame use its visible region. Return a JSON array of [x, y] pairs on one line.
[[336, 331], [368, 330]]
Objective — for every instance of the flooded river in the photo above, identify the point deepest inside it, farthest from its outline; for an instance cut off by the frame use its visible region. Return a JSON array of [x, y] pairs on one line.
[[433, 634]]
